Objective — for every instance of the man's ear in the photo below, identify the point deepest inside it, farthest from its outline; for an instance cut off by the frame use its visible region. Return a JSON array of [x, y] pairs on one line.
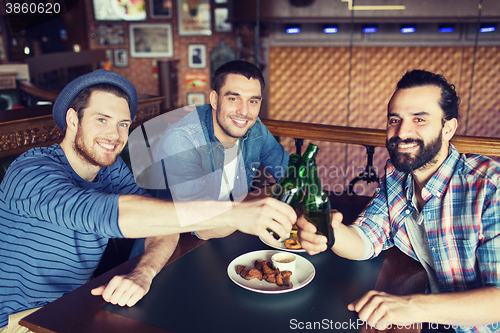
[[213, 99], [71, 119], [449, 129]]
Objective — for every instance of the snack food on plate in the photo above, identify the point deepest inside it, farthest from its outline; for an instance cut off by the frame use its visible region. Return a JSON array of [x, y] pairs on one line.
[[292, 244], [263, 270]]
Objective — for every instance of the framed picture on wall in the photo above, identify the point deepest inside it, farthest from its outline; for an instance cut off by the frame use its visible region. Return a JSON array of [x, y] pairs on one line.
[[196, 99], [161, 9], [121, 58], [197, 56], [111, 34], [114, 10], [194, 17], [151, 40], [221, 23], [109, 56], [196, 81]]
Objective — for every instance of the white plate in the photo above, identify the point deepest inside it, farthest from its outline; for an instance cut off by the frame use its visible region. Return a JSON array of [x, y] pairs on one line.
[[281, 246], [304, 273]]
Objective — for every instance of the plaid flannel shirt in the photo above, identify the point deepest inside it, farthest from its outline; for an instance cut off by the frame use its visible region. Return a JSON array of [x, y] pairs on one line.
[[461, 218]]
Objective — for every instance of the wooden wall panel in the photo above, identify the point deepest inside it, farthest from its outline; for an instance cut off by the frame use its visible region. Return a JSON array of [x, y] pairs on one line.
[[311, 84], [484, 110]]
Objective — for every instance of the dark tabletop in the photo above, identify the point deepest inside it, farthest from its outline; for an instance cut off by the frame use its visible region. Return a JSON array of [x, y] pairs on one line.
[[195, 294]]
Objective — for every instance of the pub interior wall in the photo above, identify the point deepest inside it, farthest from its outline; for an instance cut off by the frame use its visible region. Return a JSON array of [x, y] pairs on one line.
[[142, 72]]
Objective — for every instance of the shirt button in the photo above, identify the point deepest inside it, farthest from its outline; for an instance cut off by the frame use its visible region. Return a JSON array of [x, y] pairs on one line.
[[253, 169], [407, 212], [220, 163], [237, 177], [428, 215]]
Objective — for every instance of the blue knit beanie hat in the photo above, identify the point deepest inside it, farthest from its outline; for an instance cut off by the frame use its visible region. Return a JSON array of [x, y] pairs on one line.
[[73, 88]]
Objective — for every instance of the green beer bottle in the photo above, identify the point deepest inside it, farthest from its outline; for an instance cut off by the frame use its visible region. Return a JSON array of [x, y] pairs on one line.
[[288, 189], [317, 209]]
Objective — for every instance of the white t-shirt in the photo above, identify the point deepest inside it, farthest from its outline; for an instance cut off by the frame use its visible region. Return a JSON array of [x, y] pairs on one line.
[[231, 157]]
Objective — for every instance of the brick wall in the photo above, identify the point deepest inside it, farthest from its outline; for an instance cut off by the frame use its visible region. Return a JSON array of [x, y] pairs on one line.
[[142, 72]]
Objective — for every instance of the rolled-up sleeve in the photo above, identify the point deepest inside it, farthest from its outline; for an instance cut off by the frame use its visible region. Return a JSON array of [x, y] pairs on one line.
[[374, 223]]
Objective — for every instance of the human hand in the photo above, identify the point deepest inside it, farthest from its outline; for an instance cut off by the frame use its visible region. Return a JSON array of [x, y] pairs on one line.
[[380, 310], [125, 289], [308, 239], [256, 216]]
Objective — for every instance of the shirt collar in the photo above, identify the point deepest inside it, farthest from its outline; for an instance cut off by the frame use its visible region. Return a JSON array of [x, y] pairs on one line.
[[436, 185], [439, 181]]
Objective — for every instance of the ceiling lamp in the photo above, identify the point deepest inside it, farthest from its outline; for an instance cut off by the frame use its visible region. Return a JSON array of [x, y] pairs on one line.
[[330, 29], [487, 27], [446, 28], [293, 29], [408, 29], [370, 29]]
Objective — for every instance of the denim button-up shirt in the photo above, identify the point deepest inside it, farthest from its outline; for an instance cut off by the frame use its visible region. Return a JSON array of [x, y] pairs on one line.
[[194, 158]]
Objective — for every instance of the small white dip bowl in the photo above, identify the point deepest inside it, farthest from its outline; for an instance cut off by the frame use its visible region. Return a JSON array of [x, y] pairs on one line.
[[285, 261]]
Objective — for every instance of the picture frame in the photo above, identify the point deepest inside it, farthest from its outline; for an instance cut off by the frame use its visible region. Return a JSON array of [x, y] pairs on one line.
[[196, 81], [123, 10], [194, 18], [109, 56], [151, 40], [197, 56], [197, 99], [121, 58], [161, 9], [111, 34], [221, 14]]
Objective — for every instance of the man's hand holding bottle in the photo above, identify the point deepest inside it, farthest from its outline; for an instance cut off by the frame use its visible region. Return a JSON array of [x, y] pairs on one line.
[[312, 242]]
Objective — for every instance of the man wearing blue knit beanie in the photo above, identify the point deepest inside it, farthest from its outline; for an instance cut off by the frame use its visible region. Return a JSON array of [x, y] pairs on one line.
[[60, 205]]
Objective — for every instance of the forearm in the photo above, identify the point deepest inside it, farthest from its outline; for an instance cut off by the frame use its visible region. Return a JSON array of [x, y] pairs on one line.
[[478, 306], [157, 251], [130, 288], [215, 233], [148, 217], [348, 243]]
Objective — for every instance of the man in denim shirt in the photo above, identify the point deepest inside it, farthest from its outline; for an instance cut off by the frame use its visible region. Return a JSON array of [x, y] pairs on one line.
[[437, 206], [214, 151]]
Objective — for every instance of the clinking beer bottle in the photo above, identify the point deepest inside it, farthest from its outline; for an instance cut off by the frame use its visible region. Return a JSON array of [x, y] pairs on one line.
[[316, 204], [288, 189]]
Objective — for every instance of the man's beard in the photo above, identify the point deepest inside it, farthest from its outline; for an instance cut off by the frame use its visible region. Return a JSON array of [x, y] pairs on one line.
[[222, 124], [88, 154], [404, 162]]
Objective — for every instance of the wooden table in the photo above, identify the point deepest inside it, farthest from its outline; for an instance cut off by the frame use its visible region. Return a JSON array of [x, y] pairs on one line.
[[79, 311], [193, 293]]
